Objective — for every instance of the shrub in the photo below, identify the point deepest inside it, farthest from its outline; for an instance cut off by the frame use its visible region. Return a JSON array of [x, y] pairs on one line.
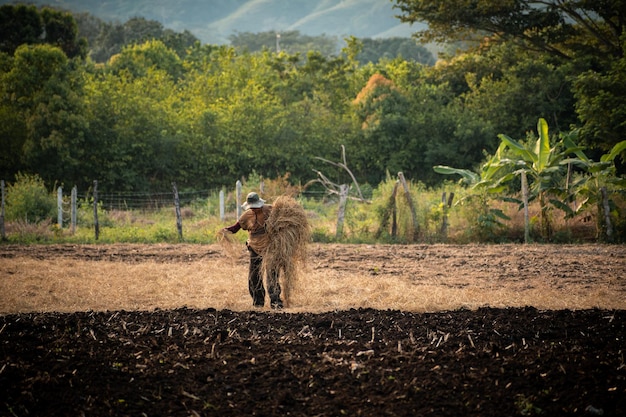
[[29, 201]]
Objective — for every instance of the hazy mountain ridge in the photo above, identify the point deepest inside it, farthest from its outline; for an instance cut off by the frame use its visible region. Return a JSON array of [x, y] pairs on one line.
[[216, 21]]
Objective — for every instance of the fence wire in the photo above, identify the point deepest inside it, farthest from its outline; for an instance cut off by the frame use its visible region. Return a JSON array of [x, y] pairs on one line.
[[147, 201], [156, 201]]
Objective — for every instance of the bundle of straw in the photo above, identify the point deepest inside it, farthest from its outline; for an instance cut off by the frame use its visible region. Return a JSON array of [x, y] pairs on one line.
[[231, 248], [289, 232]]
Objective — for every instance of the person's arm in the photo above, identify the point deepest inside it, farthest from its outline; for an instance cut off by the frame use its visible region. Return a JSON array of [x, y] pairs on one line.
[[234, 228]]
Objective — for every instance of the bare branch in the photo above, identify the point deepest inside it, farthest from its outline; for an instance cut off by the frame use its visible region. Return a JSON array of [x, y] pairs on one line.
[[344, 166]]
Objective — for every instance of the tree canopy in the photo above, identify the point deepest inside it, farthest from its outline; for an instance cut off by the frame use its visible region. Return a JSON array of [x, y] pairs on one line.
[[159, 107], [583, 40], [21, 24], [565, 28]]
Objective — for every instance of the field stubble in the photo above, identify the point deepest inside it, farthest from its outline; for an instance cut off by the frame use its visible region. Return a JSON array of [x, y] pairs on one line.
[[69, 278]]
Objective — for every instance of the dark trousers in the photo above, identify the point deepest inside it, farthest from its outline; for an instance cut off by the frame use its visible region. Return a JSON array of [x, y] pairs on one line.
[[255, 283]]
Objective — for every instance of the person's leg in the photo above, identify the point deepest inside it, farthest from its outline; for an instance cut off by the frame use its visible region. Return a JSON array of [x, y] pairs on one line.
[[273, 288], [255, 280]]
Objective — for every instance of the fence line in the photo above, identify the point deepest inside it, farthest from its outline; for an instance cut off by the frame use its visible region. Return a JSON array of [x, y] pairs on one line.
[[157, 201], [135, 201], [145, 201]]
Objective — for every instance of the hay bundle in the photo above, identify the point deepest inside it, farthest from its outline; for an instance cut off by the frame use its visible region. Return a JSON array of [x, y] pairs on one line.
[[289, 233], [231, 247]]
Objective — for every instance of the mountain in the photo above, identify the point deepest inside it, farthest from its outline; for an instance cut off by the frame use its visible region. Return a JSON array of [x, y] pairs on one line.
[[213, 21]]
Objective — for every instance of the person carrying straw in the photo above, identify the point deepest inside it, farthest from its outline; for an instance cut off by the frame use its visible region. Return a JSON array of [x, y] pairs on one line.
[[277, 238]]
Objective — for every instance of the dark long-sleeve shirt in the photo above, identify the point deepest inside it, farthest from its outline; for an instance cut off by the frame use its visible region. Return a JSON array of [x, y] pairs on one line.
[[253, 221]]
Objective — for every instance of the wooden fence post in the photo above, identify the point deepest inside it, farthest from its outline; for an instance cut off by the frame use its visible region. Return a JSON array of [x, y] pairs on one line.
[[607, 214], [222, 208], [60, 207], [447, 203], [95, 209], [2, 230], [526, 215], [179, 219], [73, 209], [407, 193], [238, 197], [394, 211], [343, 198]]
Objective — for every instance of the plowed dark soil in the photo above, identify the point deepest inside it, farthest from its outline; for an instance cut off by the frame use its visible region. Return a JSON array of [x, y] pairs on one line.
[[490, 362], [359, 362]]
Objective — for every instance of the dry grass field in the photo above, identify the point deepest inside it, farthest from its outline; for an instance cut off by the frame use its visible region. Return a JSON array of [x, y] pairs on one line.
[[421, 278], [371, 330]]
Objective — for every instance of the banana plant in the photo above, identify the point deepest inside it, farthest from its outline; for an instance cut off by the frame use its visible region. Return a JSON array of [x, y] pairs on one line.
[[486, 179], [596, 184], [487, 184], [544, 165]]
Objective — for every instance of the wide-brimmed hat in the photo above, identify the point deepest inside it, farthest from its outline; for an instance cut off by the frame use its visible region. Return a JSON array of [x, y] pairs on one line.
[[253, 201]]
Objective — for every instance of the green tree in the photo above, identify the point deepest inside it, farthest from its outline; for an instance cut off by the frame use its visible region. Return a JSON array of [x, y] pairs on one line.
[[19, 24], [573, 63], [262, 112], [12, 138], [441, 129], [89, 27], [601, 103], [136, 130], [384, 143], [109, 160], [12, 124], [179, 42], [113, 37], [61, 30], [28, 25], [137, 60], [512, 86], [44, 88], [389, 48], [253, 127], [564, 28], [453, 135]]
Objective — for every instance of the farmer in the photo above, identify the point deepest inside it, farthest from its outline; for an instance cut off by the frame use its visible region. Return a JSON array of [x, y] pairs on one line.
[[253, 220]]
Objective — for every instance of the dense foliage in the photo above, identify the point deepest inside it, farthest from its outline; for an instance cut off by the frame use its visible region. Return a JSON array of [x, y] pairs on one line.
[[165, 107], [582, 43]]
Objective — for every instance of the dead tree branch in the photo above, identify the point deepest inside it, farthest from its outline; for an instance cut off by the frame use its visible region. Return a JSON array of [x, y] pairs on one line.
[[334, 188]]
